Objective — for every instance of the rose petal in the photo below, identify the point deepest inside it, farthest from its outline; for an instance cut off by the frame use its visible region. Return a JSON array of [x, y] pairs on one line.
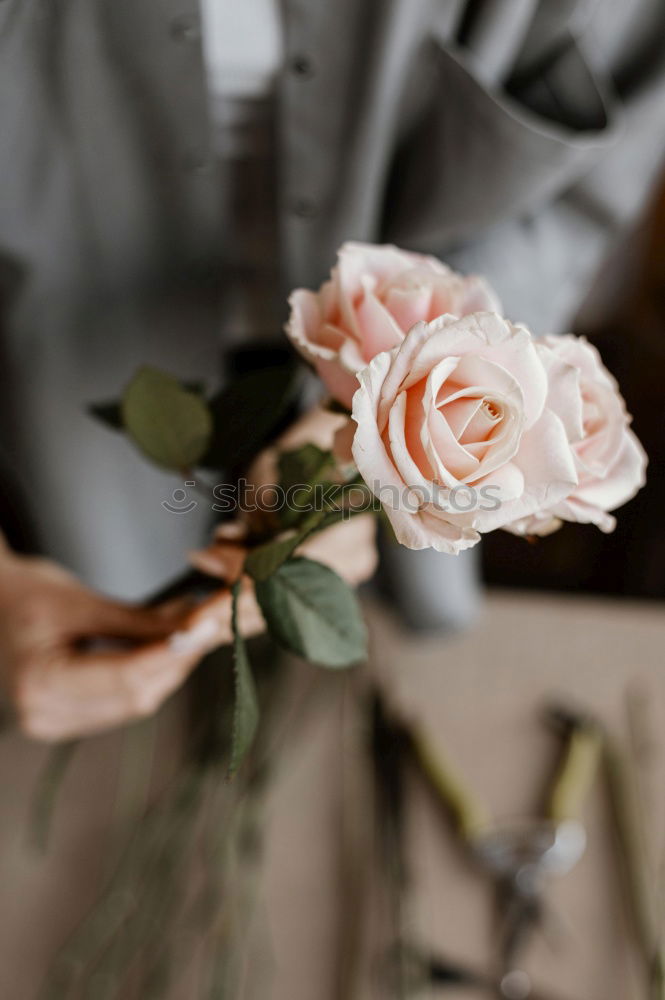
[[357, 261], [494, 339], [546, 461], [408, 305], [537, 524], [475, 295], [401, 359], [460, 412], [373, 461], [424, 530], [563, 395], [577, 351], [404, 422], [340, 383], [599, 449], [378, 329], [626, 476], [304, 321]]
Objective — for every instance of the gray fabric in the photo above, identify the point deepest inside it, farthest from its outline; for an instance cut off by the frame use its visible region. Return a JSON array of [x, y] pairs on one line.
[[512, 136]]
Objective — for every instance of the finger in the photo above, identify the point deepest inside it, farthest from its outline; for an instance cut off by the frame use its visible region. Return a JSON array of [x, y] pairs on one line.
[[348, 548], [230, 531], [89, 692], [176, 609], [93, 692], [100, 617], [318, 426], [210, 625], [224, 560]]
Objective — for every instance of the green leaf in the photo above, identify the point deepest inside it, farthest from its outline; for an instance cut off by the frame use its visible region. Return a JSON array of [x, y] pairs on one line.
[[311, 611], [265, 559], [167, 422], [109, 414], [246, 711], [303, 465], [247, 414]]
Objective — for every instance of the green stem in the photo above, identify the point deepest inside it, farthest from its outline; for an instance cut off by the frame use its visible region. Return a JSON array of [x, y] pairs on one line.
[[49, 784]]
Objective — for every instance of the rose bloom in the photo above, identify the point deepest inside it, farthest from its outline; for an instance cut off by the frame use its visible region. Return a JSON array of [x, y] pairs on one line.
[[374, 296], [454, 434], [610, 461]]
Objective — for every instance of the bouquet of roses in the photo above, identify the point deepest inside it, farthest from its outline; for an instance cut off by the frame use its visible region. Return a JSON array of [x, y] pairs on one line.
[[442, 415]]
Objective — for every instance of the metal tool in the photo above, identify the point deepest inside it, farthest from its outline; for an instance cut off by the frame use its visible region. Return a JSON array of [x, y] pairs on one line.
[[522, 856]]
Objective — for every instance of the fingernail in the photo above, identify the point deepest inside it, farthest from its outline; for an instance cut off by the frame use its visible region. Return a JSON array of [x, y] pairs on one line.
[[209, 562], [194, 638], [231, 531]]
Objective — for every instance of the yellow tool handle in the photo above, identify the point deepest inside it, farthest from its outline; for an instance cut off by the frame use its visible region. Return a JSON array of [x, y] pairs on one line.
[[577, 772], [468, 815]]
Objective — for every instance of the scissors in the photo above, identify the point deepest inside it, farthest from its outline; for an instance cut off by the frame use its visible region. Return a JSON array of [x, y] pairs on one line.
[[521, 857]]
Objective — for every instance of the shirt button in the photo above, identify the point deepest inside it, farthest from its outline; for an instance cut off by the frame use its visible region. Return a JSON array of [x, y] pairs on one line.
[[302, 66], [304, 208], [185, 28]]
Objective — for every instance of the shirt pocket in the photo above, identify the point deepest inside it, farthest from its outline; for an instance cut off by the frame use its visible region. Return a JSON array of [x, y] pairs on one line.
[[476, 156]]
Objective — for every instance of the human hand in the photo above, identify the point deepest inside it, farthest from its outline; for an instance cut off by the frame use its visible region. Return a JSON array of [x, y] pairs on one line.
[[63, 682], [347, 547]]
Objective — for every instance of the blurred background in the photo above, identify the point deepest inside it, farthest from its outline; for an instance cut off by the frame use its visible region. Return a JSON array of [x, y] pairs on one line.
[[169, 171], [624, 316]]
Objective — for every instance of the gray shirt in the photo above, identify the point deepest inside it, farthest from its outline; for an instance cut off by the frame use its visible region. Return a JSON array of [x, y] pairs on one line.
[[511, 136]]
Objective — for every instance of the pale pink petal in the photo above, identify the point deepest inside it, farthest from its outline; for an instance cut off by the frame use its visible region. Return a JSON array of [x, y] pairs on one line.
[[475, 373], [374, 463], [476, 295], [303, 324], [355, 261], [605, 422], [340, 383], [577, 351], [494, 339], [453, 464], [330, 336], [537, 524], [426, 531], [624, 479], [507, 483], [572, 509], [401, 359], [547, 463], [378, 329], [411, 462], [460, 412], [564, 394], [484, 422], [408, 305], [329, 302], [505, 438]]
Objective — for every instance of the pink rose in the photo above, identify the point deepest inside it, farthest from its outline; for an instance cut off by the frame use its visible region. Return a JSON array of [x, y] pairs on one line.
[[373, 298], [453, 432], [610, 461]]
